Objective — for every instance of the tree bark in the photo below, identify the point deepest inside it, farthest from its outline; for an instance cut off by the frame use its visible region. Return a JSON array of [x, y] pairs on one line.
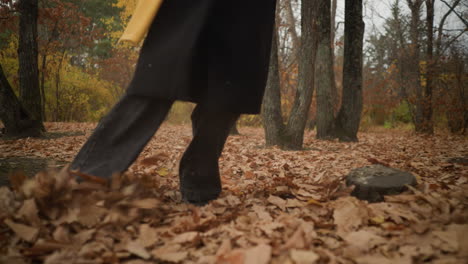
[[15, 118], [415, 94], [294, 132], [332, 36], [30, 95], [271, 107], [324, 76], [427, 125], [349, 116]]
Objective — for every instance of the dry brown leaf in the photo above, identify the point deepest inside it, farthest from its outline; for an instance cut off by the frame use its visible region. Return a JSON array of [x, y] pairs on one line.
[[83, 236], [349, 215], [298, 240], [462, 237], [173, 257], [137, 249], [260, 254], [7, 202], [25, 232], [270, 228], [91, 215], [148, 236], [261, 212], [281, 203], [454, 239], [17, 178], [187, 238], [92, 250], [224, 248], [63, 256], [234, 257], [149, 203], [29, 187], [304, 256], [61, 234], [365, 240], [153, 160], [29, 212], [373, 259]]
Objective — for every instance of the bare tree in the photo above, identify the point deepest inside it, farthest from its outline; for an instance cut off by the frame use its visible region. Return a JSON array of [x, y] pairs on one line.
[[291, 135], [426, 104], [30, 95], [23, 117], [349, 116], [15, 118], [324, 77]]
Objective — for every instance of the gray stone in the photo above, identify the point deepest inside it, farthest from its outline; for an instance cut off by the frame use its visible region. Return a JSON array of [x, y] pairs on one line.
[[374, 181]]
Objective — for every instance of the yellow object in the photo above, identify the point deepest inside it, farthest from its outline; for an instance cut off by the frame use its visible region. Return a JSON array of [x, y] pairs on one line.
[[141, 20]]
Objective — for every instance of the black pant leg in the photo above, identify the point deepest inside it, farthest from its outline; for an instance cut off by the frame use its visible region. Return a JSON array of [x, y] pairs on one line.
[[199, 171], [121, 135]]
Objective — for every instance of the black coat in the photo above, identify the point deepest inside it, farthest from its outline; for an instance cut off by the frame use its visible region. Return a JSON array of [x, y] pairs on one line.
[[214, 52]]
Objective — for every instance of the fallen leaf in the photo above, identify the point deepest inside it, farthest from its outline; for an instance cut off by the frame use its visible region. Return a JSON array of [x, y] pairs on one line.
[[260, 254], [163, 171], [149, 203], [365, 240], [148, 236], [187, 238], [291, 203], [281, 203], [137, 249], [175, 257], [304, 256], [25, 232], [349, 215]]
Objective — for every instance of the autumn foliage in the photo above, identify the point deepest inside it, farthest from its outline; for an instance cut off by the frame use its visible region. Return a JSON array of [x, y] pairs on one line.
[[276, 206]]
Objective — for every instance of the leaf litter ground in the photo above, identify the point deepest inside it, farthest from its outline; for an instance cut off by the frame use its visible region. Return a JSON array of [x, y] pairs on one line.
[[276, 206]]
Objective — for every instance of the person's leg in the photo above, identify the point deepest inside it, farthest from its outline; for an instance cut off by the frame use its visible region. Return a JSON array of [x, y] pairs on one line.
[[198, 171], [121, 135]]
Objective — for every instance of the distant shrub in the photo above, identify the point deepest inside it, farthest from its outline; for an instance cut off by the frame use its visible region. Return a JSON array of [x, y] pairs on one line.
[[402, 114]]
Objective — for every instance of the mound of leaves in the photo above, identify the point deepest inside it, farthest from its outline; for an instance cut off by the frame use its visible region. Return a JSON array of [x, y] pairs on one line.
[[53, 219], [276, 206]]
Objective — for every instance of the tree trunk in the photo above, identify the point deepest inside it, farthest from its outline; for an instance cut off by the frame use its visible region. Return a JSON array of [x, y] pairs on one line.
[[271, 107], [42, 84], [30, 95], [349, 116], [15, 118], [324, 73], [294, 133], [336, 103], [427, 125], [415, 95]]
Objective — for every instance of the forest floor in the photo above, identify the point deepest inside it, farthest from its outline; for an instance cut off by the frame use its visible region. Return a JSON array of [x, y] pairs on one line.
[[276, 206]]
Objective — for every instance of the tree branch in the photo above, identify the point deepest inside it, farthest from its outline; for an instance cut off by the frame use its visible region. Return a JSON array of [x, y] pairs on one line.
[[451, 42], [452, 9]]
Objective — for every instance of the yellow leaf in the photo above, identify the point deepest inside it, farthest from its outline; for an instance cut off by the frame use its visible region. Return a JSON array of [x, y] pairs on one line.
[[314, 202], [163, 171], [378, 219]]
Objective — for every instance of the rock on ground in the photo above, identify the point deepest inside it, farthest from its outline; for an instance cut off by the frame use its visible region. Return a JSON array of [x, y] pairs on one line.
[[374, 181]]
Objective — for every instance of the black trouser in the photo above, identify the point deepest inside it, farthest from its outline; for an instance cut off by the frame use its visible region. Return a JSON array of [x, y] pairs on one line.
[[126, 129]]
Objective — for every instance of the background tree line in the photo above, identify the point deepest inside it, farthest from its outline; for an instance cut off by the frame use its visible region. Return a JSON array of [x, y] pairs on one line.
[[59, 59]]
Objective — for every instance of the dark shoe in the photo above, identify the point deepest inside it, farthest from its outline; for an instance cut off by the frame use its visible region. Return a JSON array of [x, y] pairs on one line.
[[199, 171], [199, 179]]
